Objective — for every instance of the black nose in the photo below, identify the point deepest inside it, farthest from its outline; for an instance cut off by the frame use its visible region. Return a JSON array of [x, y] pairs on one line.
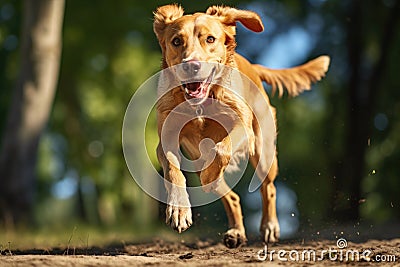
[[191, 67]]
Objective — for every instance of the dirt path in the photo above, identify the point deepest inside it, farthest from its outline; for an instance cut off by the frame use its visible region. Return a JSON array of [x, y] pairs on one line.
[[206, 253]]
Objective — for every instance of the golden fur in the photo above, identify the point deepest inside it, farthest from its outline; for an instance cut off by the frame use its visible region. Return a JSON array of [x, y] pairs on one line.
[[210, 37]]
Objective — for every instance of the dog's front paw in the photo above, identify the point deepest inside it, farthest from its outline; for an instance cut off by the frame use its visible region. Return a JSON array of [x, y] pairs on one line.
[[270, 232], [234, 238], [179, 218]]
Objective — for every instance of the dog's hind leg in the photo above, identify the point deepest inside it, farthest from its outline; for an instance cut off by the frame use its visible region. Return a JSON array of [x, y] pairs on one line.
[[267, 173], [269, 227]]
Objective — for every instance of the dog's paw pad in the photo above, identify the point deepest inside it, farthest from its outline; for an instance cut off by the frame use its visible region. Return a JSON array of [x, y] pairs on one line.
[[270, 232], [233, 238]]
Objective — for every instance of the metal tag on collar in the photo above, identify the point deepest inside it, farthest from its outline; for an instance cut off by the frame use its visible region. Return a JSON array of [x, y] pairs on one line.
[[199, 110]]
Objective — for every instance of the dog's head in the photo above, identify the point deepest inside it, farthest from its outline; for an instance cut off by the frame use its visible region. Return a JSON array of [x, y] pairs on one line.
[[187, 41]]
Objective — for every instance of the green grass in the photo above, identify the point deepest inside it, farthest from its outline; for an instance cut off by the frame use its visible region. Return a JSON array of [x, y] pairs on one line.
[[79, 236]]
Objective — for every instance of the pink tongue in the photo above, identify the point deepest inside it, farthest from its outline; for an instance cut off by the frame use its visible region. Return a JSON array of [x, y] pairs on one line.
[[193, 86]]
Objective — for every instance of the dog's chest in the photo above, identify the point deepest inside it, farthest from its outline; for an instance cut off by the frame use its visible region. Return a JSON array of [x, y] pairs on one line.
[[202, 127]]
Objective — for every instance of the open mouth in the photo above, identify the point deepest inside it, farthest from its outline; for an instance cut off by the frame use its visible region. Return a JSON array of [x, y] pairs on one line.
[[197, 92]]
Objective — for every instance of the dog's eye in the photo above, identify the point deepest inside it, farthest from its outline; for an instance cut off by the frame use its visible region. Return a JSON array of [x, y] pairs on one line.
[[210, 39], [176, 41]]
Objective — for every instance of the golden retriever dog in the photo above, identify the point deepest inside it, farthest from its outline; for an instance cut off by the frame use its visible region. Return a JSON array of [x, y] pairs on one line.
[[189, 43]]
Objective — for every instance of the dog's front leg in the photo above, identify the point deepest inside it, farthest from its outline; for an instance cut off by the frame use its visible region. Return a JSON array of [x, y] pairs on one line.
[[178, 212], [212, 179]]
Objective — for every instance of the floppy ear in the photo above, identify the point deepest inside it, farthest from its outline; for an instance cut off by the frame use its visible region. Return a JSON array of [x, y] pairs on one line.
[[165, 15], [230, 16]]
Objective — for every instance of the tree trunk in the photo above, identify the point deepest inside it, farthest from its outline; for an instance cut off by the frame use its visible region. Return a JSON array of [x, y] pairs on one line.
[[31, 104], [363, 93]]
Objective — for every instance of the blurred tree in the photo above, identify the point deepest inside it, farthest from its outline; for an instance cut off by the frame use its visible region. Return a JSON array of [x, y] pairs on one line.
[[30, 108], [367, 74]]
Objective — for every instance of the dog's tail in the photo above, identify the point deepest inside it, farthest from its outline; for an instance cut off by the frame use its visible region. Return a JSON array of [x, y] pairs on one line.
[[296, 79]]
